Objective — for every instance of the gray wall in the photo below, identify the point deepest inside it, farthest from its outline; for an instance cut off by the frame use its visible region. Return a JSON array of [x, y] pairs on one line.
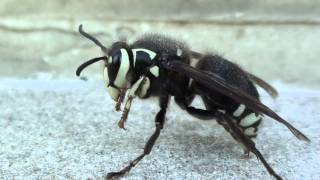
[[277, 40]]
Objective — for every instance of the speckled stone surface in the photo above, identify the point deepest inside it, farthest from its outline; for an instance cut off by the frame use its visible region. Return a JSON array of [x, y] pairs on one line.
[[67, 129]]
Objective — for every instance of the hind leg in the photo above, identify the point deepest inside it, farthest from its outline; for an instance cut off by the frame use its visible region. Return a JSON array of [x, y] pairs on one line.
[[236, 132], [228, 123]]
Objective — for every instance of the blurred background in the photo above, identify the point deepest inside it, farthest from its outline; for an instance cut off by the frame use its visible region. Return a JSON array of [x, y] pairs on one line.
[[277, 40]]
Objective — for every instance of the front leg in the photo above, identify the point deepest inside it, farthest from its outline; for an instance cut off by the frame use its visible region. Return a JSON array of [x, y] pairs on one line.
[[159, 120]]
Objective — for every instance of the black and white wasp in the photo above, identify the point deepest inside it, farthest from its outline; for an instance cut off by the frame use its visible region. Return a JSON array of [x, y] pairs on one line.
[[156, 65]]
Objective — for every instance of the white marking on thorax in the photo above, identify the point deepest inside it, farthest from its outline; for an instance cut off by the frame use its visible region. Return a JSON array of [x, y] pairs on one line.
[[249, 120], [155, 71], [239, 111], [151, 54], [120, 80]]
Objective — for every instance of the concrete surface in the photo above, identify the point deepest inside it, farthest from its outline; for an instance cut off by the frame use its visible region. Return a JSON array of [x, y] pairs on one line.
[[67, 129]]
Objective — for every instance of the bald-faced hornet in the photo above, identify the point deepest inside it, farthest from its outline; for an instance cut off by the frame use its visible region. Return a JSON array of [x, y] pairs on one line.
[[156, 65]]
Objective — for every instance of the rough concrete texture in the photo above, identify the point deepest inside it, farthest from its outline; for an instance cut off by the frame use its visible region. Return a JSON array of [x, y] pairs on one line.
[[276, 40], [68, 130]]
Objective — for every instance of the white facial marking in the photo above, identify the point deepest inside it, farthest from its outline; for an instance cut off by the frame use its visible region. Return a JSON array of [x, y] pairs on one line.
[[249, 120], [151, 54], [120, 80], [239, 111], [106, 76], [145, 85], [250, 131], [179, 52], [113, 92], [155, 71]]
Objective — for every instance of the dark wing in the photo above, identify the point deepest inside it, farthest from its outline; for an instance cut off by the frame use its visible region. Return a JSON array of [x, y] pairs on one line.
[[260, 82], [264, 85], [216, 83]]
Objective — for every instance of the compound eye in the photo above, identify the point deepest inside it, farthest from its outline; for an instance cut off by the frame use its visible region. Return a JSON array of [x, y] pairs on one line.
[[114, 66], [116, 58]]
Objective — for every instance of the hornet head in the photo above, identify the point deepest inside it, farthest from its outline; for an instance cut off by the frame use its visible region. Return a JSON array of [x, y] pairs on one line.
[[118, 66]]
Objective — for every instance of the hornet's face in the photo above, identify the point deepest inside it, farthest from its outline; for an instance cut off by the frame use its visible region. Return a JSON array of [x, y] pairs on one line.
[[117, 70], [117, 73]]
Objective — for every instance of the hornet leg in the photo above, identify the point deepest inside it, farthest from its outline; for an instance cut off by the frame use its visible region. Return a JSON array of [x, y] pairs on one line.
[[160, 119]]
